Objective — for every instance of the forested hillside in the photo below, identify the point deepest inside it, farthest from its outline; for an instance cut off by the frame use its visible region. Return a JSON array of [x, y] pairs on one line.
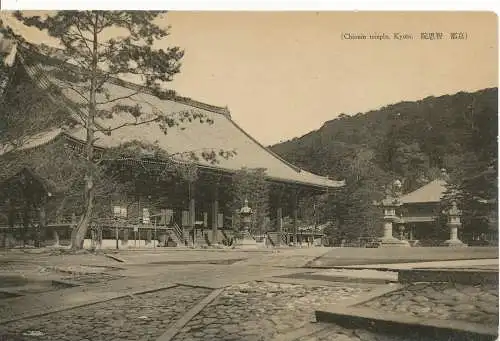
[[410, 141]]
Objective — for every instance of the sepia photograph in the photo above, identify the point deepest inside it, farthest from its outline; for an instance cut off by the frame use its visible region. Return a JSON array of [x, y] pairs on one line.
[[248, 175]]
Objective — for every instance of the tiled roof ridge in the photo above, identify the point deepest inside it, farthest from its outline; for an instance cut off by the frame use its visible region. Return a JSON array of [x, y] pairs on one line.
[[167, 95], [173, 97]]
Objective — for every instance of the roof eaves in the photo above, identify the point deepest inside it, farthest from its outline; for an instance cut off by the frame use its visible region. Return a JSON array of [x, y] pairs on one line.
[[420, 201], [335, 184], [38, 145]]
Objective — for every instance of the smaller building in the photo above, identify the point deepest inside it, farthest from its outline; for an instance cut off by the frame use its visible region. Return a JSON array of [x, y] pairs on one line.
[[420, 211], [420, 214]]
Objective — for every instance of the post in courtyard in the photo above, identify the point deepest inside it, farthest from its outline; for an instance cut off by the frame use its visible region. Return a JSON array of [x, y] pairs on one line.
[[192, 211], [454, 224], [215, 213], [279, 222], [295, 217]]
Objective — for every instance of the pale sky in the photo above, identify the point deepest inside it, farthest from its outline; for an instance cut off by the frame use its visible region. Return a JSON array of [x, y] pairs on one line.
[[283, 74]]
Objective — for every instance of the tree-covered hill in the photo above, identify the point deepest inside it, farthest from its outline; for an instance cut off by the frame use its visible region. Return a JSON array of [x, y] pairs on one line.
[[410, 141], [428, 134]]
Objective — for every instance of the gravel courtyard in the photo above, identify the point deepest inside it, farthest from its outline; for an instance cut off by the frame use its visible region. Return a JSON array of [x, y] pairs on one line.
[[140, 317]]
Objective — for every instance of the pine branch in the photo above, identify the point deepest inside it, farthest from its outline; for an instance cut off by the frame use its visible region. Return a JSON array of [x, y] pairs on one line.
[[119, 98], [128, 124], [86, 41]]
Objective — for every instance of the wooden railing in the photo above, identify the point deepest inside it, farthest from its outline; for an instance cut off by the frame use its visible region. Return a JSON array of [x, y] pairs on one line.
[[271, 241], [283, 239], [178, 233]]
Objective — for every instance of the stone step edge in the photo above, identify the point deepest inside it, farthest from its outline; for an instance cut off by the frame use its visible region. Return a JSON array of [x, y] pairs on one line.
[[348, 279], [113, 296], [380, 266], [309, 330], [373, 320], [180, 323], [115, 258], [314, 282]]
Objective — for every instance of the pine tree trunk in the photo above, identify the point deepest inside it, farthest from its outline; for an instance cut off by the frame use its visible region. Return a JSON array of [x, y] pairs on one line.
[[78, 235]]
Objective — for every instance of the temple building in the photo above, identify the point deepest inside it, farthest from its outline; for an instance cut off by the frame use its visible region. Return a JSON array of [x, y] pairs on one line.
[[420, 210], [172, 209], [420, 218]]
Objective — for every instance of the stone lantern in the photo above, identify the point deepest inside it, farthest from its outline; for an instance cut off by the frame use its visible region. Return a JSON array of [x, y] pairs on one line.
[[246, 216], [389, 205], [454, 224], [247, 241]]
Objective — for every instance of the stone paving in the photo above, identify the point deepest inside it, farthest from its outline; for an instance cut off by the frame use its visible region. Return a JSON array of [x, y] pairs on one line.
[[262, 310], [90, 279], [141, 317], [443, 301], [250, 311], [336, 333]]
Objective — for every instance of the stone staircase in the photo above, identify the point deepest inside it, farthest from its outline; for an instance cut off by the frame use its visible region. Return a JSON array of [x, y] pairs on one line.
[[207, 238], [200, 238], [274, 238], [172, 235], [277, 239]]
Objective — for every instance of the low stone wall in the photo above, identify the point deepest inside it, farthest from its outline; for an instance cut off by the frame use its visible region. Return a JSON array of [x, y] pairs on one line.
[[443, 301], [463, 276], [9, 241]]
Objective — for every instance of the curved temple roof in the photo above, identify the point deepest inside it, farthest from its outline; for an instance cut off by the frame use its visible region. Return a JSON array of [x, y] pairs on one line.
[[429, 193], [223, 134]]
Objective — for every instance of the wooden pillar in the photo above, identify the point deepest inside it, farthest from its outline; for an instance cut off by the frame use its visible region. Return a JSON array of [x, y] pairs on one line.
[[42, 229], [192, 209], [125, 236], [295, 214], [279, 222], [215, 212], [12, 217], [26, 222], [278, 205], [41, 226], [11, 213]]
